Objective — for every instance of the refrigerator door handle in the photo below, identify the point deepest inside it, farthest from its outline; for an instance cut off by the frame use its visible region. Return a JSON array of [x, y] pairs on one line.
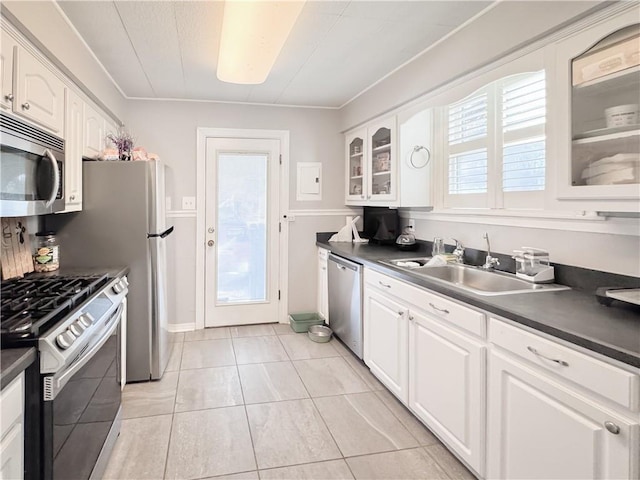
[[164, 234]]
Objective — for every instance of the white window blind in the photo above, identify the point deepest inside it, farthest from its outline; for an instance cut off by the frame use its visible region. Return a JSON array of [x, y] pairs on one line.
[[468, 172], [523, 119], [495, 141], [468, 119], [467, 136]]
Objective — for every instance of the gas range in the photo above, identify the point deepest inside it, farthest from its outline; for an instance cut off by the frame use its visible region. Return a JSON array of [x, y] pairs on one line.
[[74, 322], [30, 306]]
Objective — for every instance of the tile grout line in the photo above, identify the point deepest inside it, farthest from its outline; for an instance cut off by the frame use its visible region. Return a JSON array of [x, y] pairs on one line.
[[319, 414], [173, 417], [246, 413]]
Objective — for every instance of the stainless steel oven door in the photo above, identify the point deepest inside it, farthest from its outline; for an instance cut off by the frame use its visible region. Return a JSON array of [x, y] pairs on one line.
[[82, 418], [31, 170]]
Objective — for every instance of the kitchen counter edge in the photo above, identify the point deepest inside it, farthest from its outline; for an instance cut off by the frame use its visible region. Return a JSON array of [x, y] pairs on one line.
[[497, 304], [14, 361]]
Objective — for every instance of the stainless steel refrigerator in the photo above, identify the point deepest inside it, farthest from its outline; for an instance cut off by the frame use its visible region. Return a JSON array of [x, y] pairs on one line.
[[122, 223]]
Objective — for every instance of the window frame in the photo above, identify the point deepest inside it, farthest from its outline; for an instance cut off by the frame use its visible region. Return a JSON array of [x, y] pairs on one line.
[[494, 199]]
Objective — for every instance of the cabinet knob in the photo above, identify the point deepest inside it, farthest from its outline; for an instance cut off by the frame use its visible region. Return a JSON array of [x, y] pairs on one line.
[[72, 197], [26, 105], [9, 97], [400, 313], [411, 318], [612, 427], [210, 243]]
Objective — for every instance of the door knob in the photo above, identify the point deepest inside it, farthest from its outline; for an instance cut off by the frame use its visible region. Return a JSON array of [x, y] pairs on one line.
[[210, 243], [26, 105]]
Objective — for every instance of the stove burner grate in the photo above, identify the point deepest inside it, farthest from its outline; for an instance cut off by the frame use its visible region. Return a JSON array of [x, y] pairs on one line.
[[31, 305]]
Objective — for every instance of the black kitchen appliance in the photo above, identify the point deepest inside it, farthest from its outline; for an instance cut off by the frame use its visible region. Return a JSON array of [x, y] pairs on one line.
[[381, 225], [73, 392]]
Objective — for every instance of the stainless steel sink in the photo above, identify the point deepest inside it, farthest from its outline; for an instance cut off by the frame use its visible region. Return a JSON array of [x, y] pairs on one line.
[[410, 263], [481, 282]]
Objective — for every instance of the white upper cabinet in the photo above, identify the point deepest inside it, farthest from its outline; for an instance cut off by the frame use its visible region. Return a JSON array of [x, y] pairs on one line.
[[74, 126], [371, 170], [94, 132], [388, 162], [356, 154], [415, 158], [7, 48], [598, 82], [382, 162], [39, 95]]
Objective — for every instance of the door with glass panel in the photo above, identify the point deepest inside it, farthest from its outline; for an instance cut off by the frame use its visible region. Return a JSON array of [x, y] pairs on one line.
[[242, 229]]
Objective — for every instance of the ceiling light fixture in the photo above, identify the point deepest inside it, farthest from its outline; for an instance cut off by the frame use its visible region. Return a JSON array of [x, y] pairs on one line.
[[253, 33]]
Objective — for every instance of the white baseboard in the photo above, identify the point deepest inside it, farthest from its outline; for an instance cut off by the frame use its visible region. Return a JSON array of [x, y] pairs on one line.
[[181, 327]]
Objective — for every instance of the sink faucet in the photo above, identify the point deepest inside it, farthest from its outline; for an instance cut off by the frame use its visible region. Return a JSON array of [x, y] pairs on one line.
[[459, 251], [489, 262]]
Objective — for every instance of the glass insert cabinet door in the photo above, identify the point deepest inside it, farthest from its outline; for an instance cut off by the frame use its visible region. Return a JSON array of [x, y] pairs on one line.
[[605, 125], [382, 161], [356, 185]]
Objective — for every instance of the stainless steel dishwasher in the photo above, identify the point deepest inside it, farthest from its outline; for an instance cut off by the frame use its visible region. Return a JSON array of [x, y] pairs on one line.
[[345, 301]]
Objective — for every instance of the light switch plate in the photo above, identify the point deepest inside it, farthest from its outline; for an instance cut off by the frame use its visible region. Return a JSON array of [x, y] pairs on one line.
[[188, 203]]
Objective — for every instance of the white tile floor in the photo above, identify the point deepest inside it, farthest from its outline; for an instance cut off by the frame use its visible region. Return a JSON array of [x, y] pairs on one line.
[[261, 402]]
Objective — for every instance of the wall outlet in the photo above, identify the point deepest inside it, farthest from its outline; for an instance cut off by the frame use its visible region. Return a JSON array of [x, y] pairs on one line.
[[411, 223], [188, 203]]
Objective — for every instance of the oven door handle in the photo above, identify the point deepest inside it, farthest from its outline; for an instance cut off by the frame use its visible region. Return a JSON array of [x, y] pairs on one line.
[[56, 177], [60, 379]]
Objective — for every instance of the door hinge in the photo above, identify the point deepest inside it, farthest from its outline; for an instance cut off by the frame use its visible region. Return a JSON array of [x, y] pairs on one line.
[[280, 227], [278, 294], [280, 159]]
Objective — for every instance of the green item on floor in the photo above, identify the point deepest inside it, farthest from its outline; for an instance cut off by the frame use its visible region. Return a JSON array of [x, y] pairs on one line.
[[300, 322]]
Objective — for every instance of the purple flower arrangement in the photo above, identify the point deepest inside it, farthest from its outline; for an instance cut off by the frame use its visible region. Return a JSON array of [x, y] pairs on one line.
[[123, 141]]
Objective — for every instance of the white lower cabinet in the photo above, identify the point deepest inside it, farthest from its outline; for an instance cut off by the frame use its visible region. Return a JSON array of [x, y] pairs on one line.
[[12, 430], [512, 403], [386, 333], [539, 428], [323, 284], [446, 385]]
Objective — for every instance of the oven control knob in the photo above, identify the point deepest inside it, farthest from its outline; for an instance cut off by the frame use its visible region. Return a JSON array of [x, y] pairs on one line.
[[77, 328], [65, 339], [125, 280], [117, 288], [85, 320]]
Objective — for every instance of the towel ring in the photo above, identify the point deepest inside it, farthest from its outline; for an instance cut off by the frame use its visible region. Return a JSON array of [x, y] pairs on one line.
[[416, 149]]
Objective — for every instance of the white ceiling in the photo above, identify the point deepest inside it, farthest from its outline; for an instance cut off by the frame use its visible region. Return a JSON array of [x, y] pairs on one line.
[[169, 49]]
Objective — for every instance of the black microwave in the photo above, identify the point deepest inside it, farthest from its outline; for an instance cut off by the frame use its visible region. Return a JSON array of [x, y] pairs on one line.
[[31, 169]]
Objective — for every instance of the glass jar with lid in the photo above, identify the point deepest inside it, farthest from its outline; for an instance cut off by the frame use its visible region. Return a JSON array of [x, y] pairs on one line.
[[47, 255]]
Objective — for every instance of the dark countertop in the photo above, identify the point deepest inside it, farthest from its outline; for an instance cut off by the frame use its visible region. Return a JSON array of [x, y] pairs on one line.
[[571, 315], [13, 361]]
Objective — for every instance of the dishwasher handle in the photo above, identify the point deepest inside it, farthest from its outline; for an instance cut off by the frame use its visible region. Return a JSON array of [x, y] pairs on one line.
[[344, 264]]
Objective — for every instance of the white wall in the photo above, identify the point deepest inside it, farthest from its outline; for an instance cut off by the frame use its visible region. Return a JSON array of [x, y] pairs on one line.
[[43, 24], [169, 129]]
